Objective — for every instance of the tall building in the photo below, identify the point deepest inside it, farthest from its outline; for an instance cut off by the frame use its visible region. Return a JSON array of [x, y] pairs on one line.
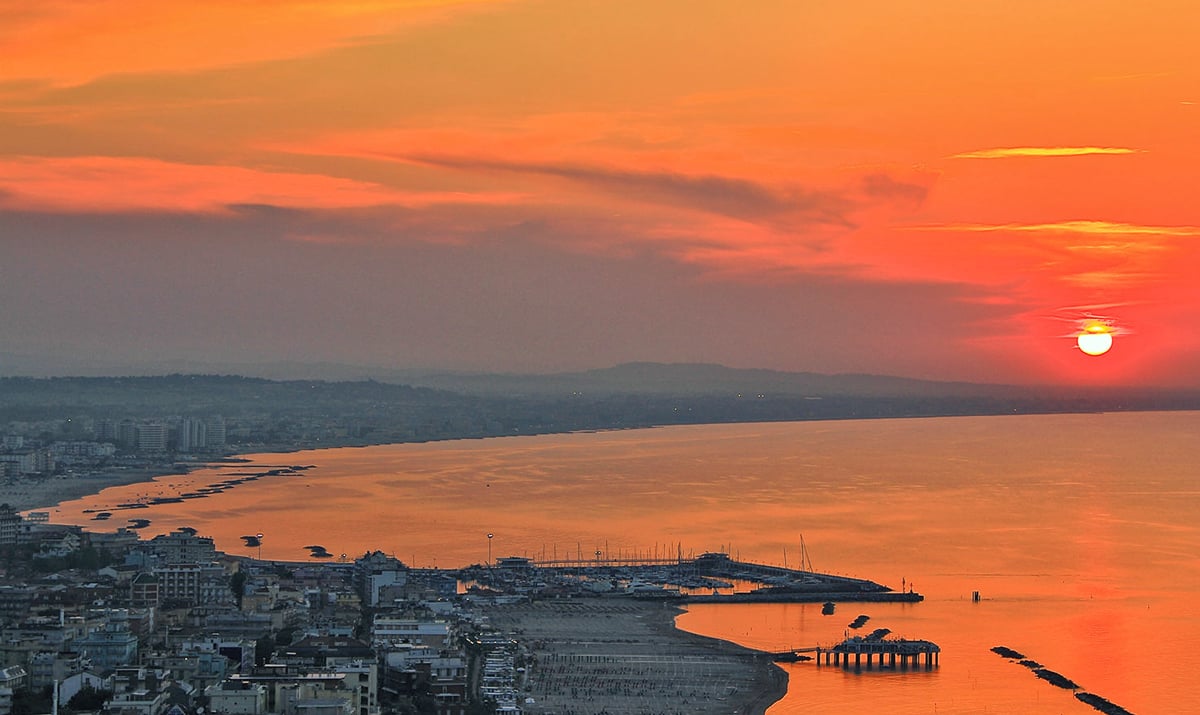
[[152, 437], [106, 431], [127, 433], [29, 461], [194, 584], [215, 433], [10, 525], [193, 435], [182, 546]]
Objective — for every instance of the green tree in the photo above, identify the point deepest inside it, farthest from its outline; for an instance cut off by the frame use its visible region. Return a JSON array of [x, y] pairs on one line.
[[237, 584], [89, 699], [27, 701], [264, 648]]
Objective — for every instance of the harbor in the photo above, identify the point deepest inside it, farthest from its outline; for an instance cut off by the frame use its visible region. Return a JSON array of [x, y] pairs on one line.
[[712, 577]]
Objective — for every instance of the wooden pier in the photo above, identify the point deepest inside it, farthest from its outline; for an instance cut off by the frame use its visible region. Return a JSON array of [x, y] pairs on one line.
[[877, 652]]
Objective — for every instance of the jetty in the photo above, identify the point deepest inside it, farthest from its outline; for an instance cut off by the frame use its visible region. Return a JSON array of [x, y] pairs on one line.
[[893, 653]]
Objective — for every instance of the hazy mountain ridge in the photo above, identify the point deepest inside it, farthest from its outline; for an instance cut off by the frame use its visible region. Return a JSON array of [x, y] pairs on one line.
[[626, 378], [292, 414], [628, 384], [714, 379]]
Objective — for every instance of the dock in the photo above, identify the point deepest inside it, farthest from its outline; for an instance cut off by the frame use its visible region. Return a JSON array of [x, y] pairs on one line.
[[883, 653], [783, 595]]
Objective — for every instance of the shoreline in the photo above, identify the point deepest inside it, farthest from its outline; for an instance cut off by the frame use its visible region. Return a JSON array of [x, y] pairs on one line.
[[44, 494], [605, 655]]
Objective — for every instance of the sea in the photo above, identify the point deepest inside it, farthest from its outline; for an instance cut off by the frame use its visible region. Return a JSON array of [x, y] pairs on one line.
[[1078, 532]]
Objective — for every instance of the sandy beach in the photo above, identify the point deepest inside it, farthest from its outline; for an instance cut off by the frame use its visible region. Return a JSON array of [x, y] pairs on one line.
[[616, 655], [43, 493]]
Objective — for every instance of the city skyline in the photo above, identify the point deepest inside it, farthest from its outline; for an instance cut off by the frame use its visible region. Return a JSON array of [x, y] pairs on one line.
[[925, 189]]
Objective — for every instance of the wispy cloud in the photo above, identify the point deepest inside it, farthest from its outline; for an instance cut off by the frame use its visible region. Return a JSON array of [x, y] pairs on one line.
[[123, 184], [1027, 151], [724, 195], [111, 38], [1093, 228], [1110, 279]]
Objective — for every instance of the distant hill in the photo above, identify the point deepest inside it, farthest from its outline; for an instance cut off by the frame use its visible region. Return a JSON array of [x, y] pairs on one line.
[[651, 378], [642, 378], [393, 406]]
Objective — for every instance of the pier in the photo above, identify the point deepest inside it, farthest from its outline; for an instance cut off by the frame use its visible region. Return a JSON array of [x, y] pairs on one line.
[[898, 653]]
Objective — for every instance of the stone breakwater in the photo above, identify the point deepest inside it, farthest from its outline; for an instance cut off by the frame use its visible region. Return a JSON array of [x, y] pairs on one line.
[[610, 655]]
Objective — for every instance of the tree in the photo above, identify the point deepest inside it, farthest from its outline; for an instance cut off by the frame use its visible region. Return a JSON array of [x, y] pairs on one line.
[[89, 699], [27, 701], [264, 648], [237, 584]]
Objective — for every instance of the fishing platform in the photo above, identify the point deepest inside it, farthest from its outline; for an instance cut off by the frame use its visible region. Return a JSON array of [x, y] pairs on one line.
[[899, 653]]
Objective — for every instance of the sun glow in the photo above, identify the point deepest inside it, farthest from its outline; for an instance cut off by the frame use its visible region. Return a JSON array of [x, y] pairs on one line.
[[1095, 339]]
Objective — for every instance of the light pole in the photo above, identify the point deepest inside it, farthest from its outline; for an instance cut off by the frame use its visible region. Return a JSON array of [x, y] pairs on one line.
[[490, 535], [259, 536]]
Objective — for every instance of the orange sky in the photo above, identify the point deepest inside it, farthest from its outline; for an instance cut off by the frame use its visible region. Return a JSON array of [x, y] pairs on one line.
[[928, 188]]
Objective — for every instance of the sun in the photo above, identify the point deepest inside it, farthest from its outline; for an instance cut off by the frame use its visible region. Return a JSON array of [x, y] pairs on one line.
[[1096, 338]]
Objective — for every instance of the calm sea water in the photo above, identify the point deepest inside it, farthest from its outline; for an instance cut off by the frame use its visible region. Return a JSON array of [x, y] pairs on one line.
[[1079, 531]]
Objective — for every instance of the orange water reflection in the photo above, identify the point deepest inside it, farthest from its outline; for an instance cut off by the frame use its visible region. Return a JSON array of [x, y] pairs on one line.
[[1079, 531]]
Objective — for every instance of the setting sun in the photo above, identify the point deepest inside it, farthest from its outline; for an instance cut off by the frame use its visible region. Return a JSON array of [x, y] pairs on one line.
[[1096, 339]]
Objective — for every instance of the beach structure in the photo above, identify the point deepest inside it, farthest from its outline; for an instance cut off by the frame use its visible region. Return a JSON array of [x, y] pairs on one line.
[[880, 652]]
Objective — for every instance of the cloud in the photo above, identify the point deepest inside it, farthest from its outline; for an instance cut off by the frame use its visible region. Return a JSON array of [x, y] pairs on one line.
[[724, 195], [1081, 227], [122, 184], [138, 37], [516, 302], [1035, 151], [1110, 279], [883, 186]]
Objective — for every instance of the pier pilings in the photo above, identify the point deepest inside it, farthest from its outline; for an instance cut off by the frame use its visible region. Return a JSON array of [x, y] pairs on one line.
[[902, 653]]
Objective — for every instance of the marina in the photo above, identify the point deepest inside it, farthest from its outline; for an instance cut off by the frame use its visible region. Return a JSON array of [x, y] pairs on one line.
[[711, 577]]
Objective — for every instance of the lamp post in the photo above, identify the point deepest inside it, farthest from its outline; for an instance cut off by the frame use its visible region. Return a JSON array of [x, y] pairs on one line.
[[490, 535], [259, 536]]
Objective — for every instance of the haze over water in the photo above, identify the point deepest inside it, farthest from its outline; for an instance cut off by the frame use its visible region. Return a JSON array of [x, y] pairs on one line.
[[1078, 530]]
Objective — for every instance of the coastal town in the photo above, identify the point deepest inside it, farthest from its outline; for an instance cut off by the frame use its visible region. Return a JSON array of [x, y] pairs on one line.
[[113, 616], [106, 621], [104, 617]]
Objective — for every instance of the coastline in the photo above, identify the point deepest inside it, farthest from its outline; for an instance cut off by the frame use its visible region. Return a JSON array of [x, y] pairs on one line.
[[45, 493], [605, 655]]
